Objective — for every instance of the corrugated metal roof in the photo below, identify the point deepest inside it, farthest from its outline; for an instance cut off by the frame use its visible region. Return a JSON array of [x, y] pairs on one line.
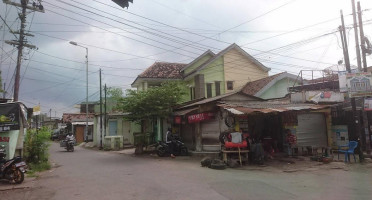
[[183, 112], [240, 108]]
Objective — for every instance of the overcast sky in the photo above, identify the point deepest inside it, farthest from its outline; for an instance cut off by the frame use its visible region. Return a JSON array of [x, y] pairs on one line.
[[285, 35]]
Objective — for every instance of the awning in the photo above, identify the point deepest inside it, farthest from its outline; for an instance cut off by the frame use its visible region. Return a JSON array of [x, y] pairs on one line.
[[183, 112], [248, 109], [82, 123]]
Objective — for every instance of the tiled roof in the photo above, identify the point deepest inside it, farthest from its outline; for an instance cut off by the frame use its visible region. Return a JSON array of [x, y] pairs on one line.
[[163, 70], [253, 87]]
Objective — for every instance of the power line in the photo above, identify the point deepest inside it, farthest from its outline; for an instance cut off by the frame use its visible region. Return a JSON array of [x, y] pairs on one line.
[[121, 34]]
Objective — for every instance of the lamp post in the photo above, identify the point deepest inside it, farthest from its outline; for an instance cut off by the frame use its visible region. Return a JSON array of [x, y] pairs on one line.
[[86, 101]]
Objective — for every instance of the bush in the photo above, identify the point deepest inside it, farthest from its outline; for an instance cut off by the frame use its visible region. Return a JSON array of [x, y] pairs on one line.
[[36, 145]]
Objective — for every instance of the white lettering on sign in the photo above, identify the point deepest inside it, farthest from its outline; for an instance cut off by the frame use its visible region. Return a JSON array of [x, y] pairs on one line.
[[5, 128], [4, 139]]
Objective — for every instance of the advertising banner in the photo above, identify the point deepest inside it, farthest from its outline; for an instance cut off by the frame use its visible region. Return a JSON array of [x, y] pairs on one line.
[[368, 104], [200, 117], [359, 84], [9, 117]]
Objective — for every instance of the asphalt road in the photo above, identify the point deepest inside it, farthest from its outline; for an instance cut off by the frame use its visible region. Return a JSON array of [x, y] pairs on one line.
[[91, 174]]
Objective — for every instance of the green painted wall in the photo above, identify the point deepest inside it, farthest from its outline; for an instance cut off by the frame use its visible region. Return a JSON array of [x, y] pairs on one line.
[[214, 72], [278, 90], [197, 64]]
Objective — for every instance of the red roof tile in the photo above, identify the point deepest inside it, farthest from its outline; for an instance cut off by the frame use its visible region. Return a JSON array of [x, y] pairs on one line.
[[163, 70], [253, 87]]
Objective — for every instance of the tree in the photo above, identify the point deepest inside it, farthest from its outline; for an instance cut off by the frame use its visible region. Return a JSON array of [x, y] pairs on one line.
[[154, 102]]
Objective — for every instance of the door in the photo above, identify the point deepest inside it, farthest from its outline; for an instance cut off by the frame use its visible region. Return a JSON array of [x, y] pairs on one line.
[[79, 133], [113, 128], [311, 130]]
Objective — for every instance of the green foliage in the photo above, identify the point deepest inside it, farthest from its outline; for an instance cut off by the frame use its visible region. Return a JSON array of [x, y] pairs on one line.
[[154, 102], [37, 167], [115, 93], [36, 145]]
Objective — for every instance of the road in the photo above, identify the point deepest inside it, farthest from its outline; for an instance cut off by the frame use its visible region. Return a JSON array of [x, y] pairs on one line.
[[91, 174]]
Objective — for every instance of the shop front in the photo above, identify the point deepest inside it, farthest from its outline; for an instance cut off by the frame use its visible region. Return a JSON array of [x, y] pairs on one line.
[[267, 123]]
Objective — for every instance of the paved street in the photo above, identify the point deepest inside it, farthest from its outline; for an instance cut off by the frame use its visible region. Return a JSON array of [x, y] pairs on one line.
[[91, 174]]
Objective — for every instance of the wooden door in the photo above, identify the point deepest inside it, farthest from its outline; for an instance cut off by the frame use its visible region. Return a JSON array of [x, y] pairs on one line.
[[79, 134]]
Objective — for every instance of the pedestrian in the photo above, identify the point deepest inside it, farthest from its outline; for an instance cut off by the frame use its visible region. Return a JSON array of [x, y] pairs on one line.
[[170, 141], [291, 141]]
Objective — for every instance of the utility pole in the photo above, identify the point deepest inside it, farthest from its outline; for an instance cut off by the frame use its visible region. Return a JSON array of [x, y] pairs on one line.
[[100, 108], [359, 63], [365, 117], [105, 124], [21, 40], [347, 63]]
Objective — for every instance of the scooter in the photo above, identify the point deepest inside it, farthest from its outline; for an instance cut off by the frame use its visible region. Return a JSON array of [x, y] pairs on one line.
[[12, 170], [162, 148], [68, 144]]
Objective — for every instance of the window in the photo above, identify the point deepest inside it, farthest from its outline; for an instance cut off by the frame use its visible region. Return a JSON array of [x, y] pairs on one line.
[[209, 90], [218, 87], [192, 93], [230, 85], [113, 125]]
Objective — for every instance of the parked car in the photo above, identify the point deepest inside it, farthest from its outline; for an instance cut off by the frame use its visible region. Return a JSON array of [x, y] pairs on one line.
[[57, 134]]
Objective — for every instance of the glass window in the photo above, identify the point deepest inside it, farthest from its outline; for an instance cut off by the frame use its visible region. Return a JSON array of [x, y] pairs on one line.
[[230, 85], [209, 90], [218, 88]]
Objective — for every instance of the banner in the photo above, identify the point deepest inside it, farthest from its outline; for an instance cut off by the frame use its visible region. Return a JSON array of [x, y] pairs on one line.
[[200, 117], [36, 110], [359, 84], [9, 117]]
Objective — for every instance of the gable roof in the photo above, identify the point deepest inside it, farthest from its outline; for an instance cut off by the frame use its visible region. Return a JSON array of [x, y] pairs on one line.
[[161, 70], [223, 52], [257, 87], [198, 58]]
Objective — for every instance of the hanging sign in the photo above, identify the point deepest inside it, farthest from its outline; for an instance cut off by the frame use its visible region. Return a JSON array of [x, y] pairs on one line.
[[359, 84], [200, 117], [9, 117], [36, 110]]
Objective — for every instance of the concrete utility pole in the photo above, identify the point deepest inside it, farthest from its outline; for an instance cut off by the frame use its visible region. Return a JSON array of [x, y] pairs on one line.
[[347, 63], [21, 40], [100, 108], [86, 98], [365, 117], [359, 63], [105, 123]]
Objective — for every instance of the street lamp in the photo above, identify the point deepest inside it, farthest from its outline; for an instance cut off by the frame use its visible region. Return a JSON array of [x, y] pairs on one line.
[[86, 103]]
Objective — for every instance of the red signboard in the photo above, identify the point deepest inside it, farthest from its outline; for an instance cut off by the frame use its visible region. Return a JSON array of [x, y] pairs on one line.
[[200, 117], [4, 139], [177, 119]]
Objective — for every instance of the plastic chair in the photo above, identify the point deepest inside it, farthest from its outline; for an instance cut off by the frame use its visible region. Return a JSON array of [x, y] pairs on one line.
[[351, 147]]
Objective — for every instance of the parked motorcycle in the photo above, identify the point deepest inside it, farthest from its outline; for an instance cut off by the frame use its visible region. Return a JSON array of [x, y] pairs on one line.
[[12, 170], [162, 148]]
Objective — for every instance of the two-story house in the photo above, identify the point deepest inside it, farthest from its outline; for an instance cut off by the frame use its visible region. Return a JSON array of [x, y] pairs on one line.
[[208, 75], [212, 74]]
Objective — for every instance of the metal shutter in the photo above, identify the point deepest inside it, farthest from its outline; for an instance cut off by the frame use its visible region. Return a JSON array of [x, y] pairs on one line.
[[311, 130]]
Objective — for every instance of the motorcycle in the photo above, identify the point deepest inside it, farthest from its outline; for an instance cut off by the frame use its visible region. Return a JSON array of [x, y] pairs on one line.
[[162, 148], [68, 144], [12, 170]]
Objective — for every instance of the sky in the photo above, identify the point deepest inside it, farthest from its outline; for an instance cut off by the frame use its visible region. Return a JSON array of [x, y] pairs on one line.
[[284, 35]]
